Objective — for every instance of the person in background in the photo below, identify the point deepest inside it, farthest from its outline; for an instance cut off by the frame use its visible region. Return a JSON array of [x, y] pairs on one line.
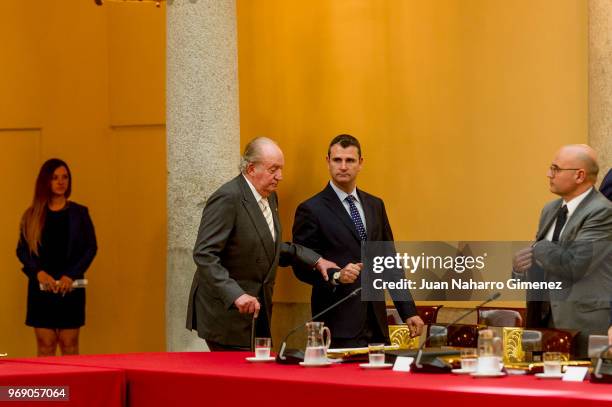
[[57, 244], [606, 189], [571, 247]]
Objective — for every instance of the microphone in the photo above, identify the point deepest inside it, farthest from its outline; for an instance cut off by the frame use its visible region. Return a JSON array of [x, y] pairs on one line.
[[294, 356], [437, 365]]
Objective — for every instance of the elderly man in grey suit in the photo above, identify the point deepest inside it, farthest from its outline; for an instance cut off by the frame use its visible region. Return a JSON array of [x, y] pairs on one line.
[[573, 247], [237, 251]]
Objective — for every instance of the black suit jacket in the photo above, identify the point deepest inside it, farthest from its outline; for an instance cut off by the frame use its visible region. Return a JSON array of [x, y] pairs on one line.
[[323, 224], [606, 189]]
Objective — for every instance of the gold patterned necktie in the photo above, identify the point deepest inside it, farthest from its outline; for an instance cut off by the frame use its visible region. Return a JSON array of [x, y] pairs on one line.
[[267, 213]]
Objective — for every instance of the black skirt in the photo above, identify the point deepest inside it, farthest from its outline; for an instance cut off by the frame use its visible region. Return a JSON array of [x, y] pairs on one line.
[[46, 309], [49, 310]]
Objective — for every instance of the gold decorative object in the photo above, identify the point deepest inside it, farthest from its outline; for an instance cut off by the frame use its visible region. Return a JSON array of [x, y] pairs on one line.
[[513, 349], [353, 353], [536, 367], [400, 336], [101, 2]]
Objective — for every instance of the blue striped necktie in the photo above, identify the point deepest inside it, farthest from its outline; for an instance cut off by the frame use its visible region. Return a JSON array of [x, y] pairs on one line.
[[356, 218]]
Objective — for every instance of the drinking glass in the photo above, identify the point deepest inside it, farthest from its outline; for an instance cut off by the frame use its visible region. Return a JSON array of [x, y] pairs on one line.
[[552, 363], [376, 354], [262, 348]]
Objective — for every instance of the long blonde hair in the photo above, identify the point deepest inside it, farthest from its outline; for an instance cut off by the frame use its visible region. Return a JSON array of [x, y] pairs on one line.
[[33, 219]]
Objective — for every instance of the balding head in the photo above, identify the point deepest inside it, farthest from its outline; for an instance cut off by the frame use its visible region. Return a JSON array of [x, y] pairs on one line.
[[584, 157], [573, 171], [262, 163]]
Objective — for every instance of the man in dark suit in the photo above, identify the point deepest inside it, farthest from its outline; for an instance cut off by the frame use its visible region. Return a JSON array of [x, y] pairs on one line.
[[237, 251], [335, 223], [606, 189], [572, 247]]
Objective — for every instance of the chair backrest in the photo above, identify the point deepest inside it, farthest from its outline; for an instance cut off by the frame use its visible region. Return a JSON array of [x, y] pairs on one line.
[[393, 317], [428, 313], [458, 335], [503, 317]]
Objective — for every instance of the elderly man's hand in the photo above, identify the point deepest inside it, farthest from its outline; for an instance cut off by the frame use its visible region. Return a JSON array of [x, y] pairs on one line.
[[415, 325], [523, 259], [323, 265], [247, 304]]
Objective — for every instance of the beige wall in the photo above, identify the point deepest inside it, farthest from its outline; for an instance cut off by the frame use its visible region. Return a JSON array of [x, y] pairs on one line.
[[459, 105], [86, 84]]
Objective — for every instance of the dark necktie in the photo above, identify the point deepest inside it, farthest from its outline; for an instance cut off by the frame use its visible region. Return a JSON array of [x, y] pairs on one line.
[[356, 218], [561, 219]]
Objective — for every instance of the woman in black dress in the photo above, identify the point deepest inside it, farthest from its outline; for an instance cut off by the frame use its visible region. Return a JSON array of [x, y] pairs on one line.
[[56, 246]]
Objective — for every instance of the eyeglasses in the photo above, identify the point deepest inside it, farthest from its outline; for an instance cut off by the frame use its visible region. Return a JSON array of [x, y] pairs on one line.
[[554, 170]]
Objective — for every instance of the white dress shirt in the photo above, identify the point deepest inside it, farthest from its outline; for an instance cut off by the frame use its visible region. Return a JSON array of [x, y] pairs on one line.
[[263, 205]]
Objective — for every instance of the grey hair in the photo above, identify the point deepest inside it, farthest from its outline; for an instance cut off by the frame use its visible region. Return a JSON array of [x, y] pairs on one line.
[[252, 152]]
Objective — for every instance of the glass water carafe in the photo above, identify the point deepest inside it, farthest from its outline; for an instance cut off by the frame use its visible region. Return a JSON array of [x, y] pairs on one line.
[[319, 339]]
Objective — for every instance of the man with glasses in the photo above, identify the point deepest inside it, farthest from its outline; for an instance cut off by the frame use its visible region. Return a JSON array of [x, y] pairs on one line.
[[573, 247]]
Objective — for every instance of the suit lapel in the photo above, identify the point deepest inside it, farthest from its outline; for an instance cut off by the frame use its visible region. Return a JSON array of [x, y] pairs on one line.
[[273, 200], [548, 220], [576, 217], [257, 217], [338, 209]]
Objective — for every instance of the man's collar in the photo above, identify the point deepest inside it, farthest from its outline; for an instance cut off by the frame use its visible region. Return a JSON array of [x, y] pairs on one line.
[[256, 194], [574, 202], [342, 195]]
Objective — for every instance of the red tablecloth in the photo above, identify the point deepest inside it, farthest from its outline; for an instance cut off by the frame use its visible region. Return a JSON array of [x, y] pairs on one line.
[[88, 386], [226, 379]]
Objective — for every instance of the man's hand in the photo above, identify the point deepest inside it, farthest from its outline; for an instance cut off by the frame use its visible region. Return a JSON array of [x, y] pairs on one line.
[[523, 259], [47, 281], [610, 335], [65, 285], [350, 272], [323, 265], [415, 325], [247, 304]]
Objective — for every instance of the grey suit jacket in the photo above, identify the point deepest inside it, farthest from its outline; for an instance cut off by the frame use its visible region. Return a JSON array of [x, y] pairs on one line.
[[235, 254], [581, 260]]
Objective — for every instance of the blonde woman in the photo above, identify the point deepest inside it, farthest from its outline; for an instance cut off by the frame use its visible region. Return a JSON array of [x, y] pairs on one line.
[[56, 246]]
